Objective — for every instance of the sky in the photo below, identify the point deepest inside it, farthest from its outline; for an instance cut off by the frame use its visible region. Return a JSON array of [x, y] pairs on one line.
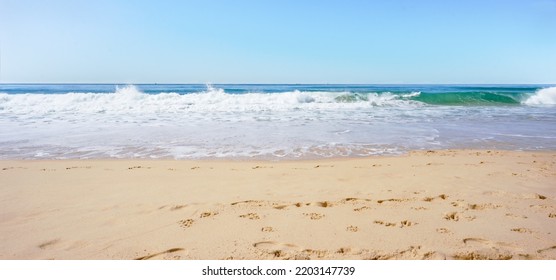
[[298, 41]]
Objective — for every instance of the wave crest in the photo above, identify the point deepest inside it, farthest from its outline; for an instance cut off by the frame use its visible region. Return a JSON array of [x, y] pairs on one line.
[[128, 90], [545, 96], [130, 99]]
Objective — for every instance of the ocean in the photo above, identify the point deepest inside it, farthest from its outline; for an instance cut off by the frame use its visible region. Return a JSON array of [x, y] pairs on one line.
[[271, 122]]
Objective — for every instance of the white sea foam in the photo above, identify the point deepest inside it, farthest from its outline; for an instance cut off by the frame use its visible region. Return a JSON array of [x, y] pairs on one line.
[[130, 99], [545, 96]]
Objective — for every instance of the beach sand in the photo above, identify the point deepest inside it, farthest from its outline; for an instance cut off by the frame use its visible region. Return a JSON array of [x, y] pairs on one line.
[[451, 204]]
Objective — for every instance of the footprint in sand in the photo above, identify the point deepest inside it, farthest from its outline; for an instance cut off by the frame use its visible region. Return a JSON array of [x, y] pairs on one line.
[[540, 206], [454, 203], [250, 216], [78, 167], [352, 229], [354, 199], [442, 230], [259, 167], [277, 249], [430, 198], [412, 252], [483, 206], [169, 251], [487, 243], [452, 216], [138, 167], [47, 244], [361, 208], [314, 216], [343, 250], [521, 230], [186, 223], [491, 250], [274, 245], [249, 202], [482, 256], [208, 214], [387, 224], [552, 248], [516, 216], [175, 207], [319, 166], [267, 229], [15, 167], [391, 200], [289, 251], [323, 204], [407, 223], [312, 253]]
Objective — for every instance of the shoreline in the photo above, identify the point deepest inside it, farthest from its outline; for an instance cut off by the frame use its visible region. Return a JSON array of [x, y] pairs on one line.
[[272, 159], [439, 204]]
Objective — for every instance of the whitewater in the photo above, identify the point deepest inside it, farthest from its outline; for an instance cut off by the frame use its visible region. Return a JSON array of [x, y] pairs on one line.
[[79, 121]]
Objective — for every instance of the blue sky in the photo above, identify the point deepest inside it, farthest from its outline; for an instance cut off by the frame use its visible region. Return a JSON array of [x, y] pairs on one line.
[[299, 41]]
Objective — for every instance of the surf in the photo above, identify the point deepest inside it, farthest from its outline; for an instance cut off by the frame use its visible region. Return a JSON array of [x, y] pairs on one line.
[[545, 96], [269, 121]]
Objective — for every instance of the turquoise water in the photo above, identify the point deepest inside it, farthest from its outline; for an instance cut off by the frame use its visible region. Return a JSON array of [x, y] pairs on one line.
[[429, 94], [269, 121]]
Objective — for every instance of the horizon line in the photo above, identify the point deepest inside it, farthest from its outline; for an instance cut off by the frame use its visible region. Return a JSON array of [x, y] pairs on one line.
[[207, 83]]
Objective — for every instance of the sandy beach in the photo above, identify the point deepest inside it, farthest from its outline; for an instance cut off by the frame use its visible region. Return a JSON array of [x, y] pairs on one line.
[[450, 204]]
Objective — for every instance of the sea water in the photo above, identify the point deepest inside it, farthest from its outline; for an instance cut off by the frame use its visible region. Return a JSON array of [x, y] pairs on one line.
[[81, 121]]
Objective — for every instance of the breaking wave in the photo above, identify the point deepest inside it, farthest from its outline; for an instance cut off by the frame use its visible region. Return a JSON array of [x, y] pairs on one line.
[[130, 99], [545, 96]]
